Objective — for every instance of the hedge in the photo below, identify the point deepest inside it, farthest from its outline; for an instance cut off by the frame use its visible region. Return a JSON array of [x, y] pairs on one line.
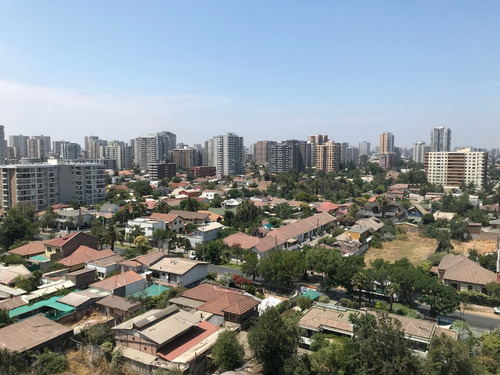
[[478, 298]]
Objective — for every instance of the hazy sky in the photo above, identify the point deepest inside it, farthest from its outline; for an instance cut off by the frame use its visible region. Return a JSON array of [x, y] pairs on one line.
[[266, 70]]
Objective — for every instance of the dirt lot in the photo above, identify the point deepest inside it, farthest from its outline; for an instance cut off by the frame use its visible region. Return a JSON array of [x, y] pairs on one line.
[[482, 246], [416, 249]]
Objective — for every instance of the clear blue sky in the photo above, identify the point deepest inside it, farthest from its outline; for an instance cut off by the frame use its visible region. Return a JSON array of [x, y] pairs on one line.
[[266, 70]]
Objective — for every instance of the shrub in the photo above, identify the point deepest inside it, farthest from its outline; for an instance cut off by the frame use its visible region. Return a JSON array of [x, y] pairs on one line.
[[304, 303], [323, 299], [49, 363]]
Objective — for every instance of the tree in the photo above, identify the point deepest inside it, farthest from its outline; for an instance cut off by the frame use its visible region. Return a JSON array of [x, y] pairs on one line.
[[247, 214], [12, 363], [113, 234], [441, 298], [49, 363], [360, 281], [141, 243], [282, 267], [15, 226], [392, 290], [228, 353], [383, 204], [448, 356], [250, 266], [161, 207], [190, 204], [48, 219], [381, 346], [273, 340]]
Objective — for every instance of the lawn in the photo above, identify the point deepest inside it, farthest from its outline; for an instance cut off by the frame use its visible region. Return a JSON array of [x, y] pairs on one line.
[[416, 249]]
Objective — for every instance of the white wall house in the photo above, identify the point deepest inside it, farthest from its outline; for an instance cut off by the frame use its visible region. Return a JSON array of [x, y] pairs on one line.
[[205, 233], [148, 224], [179, 271]]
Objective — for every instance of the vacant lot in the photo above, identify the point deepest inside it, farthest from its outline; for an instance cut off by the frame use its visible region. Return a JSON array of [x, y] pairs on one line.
[[416, 249], [482, 246]]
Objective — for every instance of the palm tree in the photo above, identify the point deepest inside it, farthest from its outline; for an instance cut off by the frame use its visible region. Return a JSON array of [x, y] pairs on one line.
[[382, 203], [392, 289], [359, 281], [113, 234], [161, 207]]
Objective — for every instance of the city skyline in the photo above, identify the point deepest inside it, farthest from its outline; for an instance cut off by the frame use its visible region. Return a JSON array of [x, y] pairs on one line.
[[266, 71]]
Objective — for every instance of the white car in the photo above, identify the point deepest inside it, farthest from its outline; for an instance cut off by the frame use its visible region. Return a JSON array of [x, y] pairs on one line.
[[496, 310], [192, 255]]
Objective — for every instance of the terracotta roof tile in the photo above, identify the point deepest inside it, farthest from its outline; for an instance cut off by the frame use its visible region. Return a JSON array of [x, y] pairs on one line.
[[117, 281], [30, 249], [85, 254]]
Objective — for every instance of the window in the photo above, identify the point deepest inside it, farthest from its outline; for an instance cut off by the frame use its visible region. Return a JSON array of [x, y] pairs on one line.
[[469, 288]]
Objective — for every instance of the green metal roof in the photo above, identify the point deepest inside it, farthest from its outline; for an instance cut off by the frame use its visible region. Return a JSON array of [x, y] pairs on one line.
[[45, 305], [153, 291], [312, 294]]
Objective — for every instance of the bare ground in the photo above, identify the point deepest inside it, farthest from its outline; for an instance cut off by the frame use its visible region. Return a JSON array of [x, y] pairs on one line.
[[417, 249]]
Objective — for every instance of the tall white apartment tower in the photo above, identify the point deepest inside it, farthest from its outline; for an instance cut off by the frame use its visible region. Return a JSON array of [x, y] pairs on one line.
[[226, 153], [419, 150], [440, 139]]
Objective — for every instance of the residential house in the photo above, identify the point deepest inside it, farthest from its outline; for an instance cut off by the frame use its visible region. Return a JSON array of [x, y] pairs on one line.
[[195, 218], [233, 305], [205, 233], [117, 307], [78, 218], [64, 246], [80, 278], [84, 254], [105, 266], [289, 236], [394, 211], [179, 271], [123, 284], [31, 249], [148, 224], [210, 194], [8, 274], [464, 274], [171, 334], [34, 334], [142, 263], [173, 221], [330, 319]]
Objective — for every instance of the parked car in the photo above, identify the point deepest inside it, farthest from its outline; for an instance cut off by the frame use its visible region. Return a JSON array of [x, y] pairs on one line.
[[192, 255], [496, 310]]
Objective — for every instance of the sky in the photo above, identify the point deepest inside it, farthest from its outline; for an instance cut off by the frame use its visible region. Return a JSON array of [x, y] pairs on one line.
[[265, 70]]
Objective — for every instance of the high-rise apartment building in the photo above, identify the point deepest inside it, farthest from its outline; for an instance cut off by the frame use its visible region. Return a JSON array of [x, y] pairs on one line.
[[386, 143], [352, 155], [281, 157], [440, 139], [455, 168], [154, 148], [226, 153], [317, 139], [20, 145], [364, 148], [50, 183], [419, 150], [186, 157], [121, 152], [328, 157], [263, 152], [3, 146]]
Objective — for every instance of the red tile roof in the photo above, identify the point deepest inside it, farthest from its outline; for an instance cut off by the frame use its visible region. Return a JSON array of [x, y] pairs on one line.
[[117, 281], [219, 299], [30, 249], [243, 240], [60, 241], [185, 342], [85, 254]]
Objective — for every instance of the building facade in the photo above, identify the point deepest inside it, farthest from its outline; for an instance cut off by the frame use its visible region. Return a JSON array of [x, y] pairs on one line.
[[50, 183], [328, 157], [419, 150], [455, 168], [440, 139], [226, 153]]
